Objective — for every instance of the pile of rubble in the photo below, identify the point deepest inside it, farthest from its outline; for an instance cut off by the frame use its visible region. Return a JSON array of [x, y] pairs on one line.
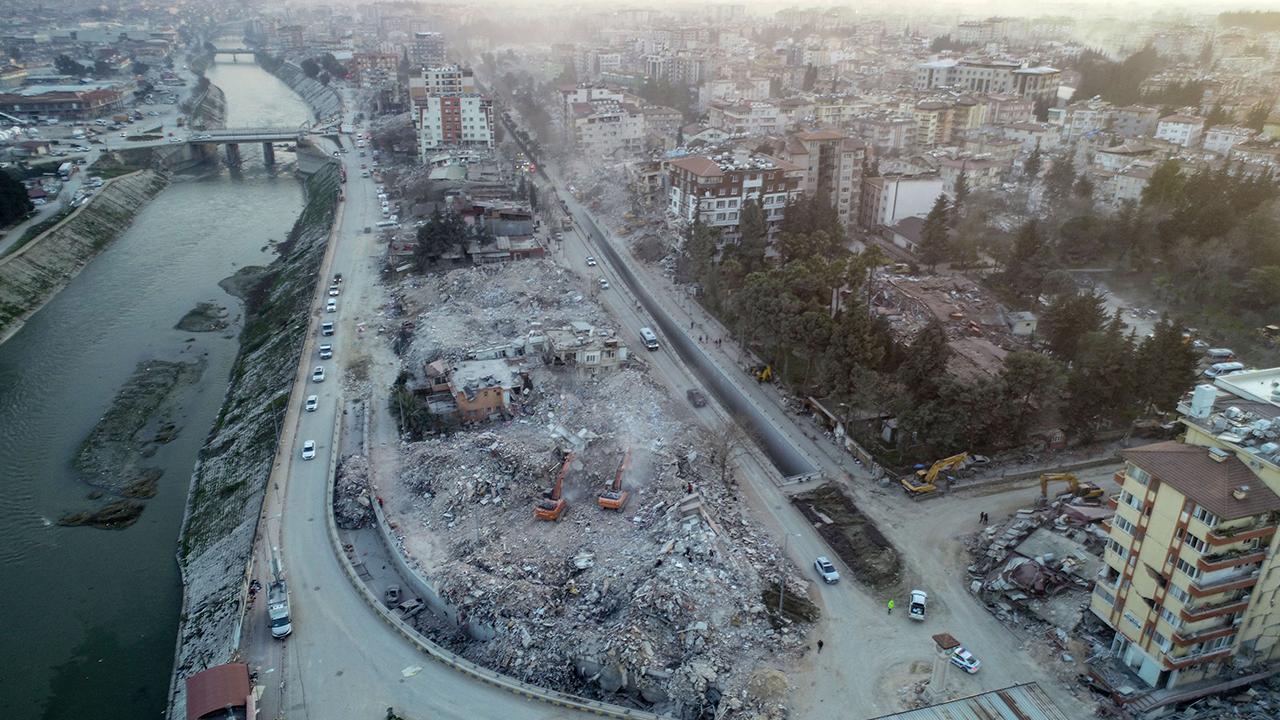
[[976, 325], [477, 307], [663, 604], [351, 493]]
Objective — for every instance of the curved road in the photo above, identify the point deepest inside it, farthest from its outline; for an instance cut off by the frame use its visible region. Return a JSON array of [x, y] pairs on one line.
[[342, 661]]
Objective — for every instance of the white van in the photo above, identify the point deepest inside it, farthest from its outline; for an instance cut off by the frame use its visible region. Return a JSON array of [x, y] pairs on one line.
[[650, 339], [1221, 369], [1220, 355], [387, 224]]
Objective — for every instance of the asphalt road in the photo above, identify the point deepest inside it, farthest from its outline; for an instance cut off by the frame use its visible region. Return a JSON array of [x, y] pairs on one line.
[[342, 661]]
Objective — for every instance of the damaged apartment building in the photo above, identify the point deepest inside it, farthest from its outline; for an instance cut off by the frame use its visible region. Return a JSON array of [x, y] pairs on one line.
[[1190, 579], [489, 384]]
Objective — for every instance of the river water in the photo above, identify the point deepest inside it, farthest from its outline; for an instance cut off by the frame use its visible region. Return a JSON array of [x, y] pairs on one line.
[[88, 617]]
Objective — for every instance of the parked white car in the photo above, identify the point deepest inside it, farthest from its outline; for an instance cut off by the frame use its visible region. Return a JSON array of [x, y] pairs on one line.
[[919, 599], [826, 570], [317, 375]]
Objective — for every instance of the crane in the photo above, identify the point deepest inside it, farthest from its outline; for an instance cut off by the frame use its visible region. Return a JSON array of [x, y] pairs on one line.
[[922, 482], [614, 497], [553, 504], [1078, 489]]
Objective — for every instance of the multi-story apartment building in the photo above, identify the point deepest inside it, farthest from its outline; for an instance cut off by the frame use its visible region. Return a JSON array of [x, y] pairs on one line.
[[455, 121], [890, 198], [575, 95], [989, 76], [1190, 574], [714, 188], [884, 132], [605, 128], [933, 123], [746, 117], [447, 80], [832, 163], [1133, 121], [1220, 139], [427, 50], [1184, 130], [368, 67]]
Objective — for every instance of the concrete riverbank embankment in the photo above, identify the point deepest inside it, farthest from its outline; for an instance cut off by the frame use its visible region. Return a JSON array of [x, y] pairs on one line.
[[230, 479], [31, 276], [324, 100]]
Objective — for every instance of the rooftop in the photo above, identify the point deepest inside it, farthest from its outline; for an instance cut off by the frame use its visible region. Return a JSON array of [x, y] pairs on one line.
[[1191, 470], [1182, 119]]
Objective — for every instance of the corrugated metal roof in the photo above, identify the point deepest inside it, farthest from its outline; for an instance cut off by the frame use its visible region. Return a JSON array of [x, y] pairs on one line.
[[1018, 702]]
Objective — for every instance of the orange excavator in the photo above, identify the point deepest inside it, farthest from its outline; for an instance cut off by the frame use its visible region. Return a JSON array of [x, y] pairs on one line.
[[614, 497], [553, 504]]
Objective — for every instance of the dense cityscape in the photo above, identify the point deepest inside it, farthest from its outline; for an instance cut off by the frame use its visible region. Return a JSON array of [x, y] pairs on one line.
[[694, 361]]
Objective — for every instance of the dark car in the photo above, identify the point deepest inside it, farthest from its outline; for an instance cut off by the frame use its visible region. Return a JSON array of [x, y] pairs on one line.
[[696, 398]]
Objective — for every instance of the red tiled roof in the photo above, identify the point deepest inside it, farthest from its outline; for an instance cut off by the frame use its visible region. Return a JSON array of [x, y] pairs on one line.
[[1190, 471], [698, 165], [217, 688]]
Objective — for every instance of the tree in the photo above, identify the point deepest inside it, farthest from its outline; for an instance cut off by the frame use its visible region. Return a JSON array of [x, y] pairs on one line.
[[925, 365], [14, 203], [1059, 179], [1166, 365], [1165, 185], [754, 236], [1083, 187], [66, 66], [961, 192], [852, 351], [1261, 289], [310, 68], [1068, 319], [1217, 116], [810, 78], [933, 235], [1257, 116], [1100, 388], [1031, 166], [1029, 380], [697, 254], [1029, 262], [532, 190]]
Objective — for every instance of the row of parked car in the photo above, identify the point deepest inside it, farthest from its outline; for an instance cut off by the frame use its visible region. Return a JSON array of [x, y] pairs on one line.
[[325, 351]]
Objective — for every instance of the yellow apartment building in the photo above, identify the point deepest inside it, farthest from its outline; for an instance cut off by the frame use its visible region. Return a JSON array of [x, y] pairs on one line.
[[1191, 584]]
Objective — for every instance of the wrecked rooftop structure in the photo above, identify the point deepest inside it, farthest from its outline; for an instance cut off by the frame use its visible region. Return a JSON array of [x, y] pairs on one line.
[[652, 587]]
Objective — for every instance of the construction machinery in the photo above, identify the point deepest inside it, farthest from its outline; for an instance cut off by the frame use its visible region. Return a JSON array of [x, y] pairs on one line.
[[923, 481], [762, 373], [614, 497], [553, 504], [1086, 490]]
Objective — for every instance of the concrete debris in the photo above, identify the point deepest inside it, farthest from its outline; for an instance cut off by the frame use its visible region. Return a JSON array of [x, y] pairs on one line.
[[351, 494], [659, 605]]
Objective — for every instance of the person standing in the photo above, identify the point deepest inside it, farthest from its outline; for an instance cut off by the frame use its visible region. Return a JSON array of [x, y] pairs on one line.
[[819, 646], [890, 606]]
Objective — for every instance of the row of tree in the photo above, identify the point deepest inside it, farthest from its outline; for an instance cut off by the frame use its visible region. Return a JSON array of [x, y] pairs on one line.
[[14, 203]]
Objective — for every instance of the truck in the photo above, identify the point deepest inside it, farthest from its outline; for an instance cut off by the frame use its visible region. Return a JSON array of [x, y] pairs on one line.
[[278, 601], [121, 117], [66, 170]]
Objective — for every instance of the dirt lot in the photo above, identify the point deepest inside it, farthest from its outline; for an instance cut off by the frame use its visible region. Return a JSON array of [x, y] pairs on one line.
[[873, 559]]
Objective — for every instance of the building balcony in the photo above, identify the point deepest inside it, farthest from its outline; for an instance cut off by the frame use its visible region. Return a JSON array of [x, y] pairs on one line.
[[1221, 561], [1239, 581], [1226, 536], [1186, 661], [1113, 502], [1204, 635], [1204, 612]]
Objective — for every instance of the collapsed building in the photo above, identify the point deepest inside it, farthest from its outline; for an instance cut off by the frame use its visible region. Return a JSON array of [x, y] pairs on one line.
[[652, 588]]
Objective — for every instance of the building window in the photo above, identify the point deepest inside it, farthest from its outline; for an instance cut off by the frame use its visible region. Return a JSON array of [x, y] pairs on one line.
[[1205, 516], [1190, 570], [1196, 543], [1131, 500], [1118, 549], [1182, 595], [1140, 476], [1104, 595], [1124, 525], [1168, 616], [1133, 619]]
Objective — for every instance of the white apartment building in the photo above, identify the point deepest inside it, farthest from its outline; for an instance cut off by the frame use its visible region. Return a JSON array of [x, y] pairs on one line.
[[1220, 139], [571, 96], [455, 121], [607, 128], [713, 189], [989, 76], [747, 117], [888, 199], [832, 162], [1184, 130]]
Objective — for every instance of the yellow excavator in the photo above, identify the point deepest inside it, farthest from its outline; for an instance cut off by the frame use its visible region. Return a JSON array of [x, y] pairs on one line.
[[1086, 490], [922, 482]]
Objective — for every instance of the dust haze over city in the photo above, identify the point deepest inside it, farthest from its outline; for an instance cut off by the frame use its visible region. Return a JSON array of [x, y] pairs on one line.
[[701, 361]]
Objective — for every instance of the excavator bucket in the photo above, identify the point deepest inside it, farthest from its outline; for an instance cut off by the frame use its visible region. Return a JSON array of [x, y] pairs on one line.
[[553, 505], [614, 497]]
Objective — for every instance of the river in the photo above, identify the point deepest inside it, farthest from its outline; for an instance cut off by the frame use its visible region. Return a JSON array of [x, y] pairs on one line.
[[90, 616]]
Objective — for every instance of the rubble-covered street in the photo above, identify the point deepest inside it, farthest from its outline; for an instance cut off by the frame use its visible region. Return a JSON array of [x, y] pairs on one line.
[[664, 604]]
